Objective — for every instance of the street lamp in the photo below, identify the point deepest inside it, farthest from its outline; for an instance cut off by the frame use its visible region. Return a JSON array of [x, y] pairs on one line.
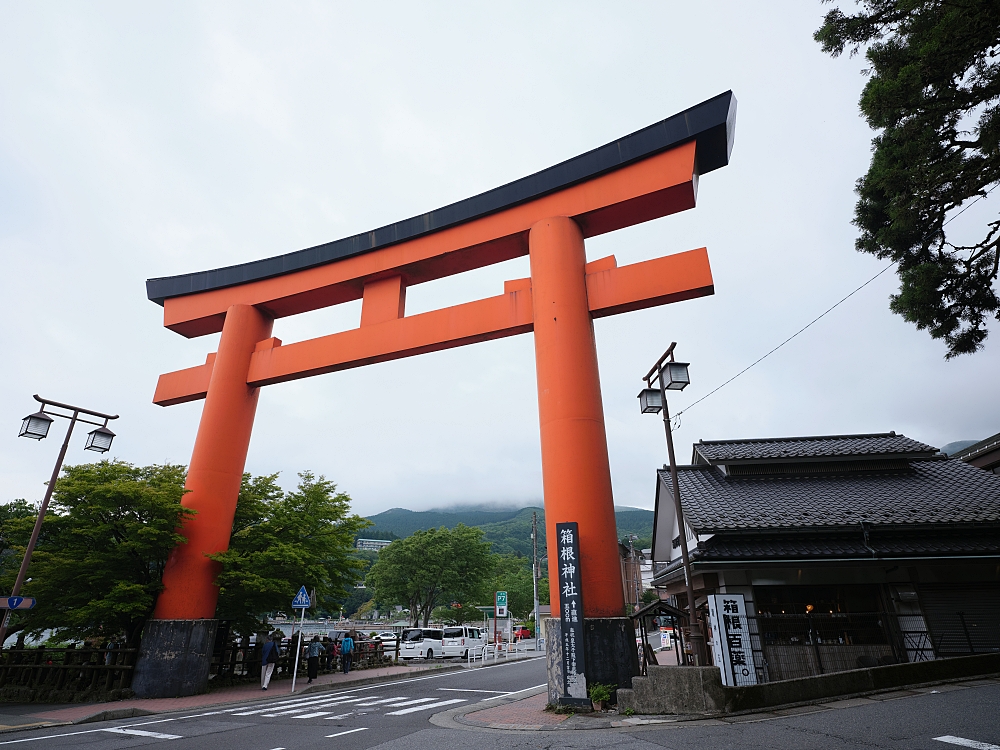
[[673, 376], [36, 426]]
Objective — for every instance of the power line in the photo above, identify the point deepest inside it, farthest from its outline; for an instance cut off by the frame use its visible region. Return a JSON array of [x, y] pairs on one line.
[[676, 417]]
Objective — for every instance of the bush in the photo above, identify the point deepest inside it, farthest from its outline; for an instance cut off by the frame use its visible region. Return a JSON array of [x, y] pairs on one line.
[[599, 692]]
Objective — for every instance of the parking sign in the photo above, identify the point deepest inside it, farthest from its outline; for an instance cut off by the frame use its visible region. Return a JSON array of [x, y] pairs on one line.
[[501, 604]]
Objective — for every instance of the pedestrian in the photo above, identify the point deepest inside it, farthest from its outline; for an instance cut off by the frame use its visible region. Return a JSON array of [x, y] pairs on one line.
[[347, 651], [328, 653], [268, 658], [312, 656]]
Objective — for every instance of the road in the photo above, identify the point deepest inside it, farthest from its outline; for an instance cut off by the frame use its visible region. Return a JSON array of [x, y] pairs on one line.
[[394, 716], [345, 720]]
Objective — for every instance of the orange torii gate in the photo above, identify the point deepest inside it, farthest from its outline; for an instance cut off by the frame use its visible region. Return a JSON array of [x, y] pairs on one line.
[[547, 216]]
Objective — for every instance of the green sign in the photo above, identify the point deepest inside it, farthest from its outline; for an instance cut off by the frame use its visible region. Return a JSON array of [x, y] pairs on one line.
[[501, 604]]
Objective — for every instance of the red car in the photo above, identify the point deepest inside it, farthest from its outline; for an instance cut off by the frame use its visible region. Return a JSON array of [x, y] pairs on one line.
[[522, 632]]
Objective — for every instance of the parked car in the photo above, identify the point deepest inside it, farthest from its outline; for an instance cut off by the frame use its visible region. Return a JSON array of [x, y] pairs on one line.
[[522, 632], [421, 643], [459, 639]]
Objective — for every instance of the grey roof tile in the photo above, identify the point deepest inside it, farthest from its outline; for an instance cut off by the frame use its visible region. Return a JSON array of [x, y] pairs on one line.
[[830, 446], [931, 491]]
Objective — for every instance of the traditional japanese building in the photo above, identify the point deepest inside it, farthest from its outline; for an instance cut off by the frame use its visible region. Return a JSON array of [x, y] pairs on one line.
[[850, 550]]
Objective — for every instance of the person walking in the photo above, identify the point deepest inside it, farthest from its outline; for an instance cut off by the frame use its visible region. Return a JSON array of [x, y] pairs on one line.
[[312, 657], [347, 652], [268, 658]]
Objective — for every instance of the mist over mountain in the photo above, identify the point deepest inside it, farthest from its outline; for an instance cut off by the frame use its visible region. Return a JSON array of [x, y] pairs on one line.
[[507, 529]]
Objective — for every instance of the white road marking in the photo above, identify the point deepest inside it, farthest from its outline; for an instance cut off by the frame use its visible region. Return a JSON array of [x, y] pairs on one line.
[[312, 715], [318, 703], [143, 733], [516, 692], [341, 716], [470, 690], [404, 702], [385, 700], [967, 743], [424, 708], [349, 731]]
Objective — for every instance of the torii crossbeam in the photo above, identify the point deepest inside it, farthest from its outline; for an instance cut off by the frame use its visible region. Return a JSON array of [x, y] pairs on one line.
[[547, 216]]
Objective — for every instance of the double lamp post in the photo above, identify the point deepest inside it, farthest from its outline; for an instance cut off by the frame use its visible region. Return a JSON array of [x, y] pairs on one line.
[[36, 426], [669, 375]]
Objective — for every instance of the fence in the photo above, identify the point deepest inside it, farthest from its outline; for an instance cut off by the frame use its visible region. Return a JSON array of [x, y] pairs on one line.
[[77, 670]]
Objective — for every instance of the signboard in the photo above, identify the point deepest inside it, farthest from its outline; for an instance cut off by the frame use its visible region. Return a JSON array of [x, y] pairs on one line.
[[571, 615], [17, 602], [301, 600], [665, 636], [501, 605], [731, 647]]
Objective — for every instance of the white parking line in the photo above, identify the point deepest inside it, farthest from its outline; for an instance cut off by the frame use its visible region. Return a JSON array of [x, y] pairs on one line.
[[349, 731], [424, 708], [967, 743], [143, 733]]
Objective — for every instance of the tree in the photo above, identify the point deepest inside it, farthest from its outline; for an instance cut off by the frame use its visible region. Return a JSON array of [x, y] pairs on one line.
[[282, 541], [934, 94], [99, 561], [431, 567], [511, 575]]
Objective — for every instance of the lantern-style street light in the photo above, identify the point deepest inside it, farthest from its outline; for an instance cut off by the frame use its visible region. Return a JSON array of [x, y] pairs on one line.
[[673, 376], [36, 426]]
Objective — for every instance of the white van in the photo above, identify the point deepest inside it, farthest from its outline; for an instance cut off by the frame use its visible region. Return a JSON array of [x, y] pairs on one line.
[[460, 639], [421, 643]]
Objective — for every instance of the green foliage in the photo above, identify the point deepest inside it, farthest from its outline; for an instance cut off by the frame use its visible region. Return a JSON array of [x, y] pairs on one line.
[[507, 531], [14, 535], [431, 567], [355, 600], [96, 570], [511, 575], [282, 541], [456, 615], [599, 692], [934, 94], [649, 596]]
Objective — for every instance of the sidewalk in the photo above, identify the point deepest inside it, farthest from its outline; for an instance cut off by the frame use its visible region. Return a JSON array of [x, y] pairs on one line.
[[22, 716]]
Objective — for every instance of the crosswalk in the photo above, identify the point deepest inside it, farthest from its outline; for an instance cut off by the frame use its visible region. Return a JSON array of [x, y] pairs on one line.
[[342, 706]]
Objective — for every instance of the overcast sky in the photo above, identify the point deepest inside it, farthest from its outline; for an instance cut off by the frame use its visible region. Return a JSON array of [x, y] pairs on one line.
[[152, 139]]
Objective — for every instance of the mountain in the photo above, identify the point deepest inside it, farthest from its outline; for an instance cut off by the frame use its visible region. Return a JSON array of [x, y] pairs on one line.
[[508, 530]]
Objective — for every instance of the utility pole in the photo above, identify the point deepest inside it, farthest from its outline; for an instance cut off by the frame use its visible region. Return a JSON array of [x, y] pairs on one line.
[[534, 572]]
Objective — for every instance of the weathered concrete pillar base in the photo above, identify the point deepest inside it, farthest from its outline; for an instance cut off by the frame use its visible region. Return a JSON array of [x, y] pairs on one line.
[[610, 654], [174, 658]]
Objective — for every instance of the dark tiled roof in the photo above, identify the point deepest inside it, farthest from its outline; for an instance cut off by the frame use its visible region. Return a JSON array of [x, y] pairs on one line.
[[931, 491], [727, 547], [830, 446]]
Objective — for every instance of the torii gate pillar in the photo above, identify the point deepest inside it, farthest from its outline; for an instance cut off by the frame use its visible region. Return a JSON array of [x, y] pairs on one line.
[[576, 473]]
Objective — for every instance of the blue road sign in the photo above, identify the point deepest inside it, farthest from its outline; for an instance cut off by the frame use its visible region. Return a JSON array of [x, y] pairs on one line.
[[17, 602], [301, 600]]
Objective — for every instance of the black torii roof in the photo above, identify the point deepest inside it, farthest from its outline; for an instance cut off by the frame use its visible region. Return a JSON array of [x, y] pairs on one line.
[[711, 124]]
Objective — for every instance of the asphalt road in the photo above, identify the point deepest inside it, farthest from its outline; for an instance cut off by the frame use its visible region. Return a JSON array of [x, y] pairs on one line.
[[394, 716], [345, 720]]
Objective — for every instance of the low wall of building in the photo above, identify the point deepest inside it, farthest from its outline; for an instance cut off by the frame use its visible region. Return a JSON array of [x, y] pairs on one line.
[[699, 690]]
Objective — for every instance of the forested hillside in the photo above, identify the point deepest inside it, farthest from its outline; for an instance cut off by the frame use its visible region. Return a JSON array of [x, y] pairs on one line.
[[508, 531]]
